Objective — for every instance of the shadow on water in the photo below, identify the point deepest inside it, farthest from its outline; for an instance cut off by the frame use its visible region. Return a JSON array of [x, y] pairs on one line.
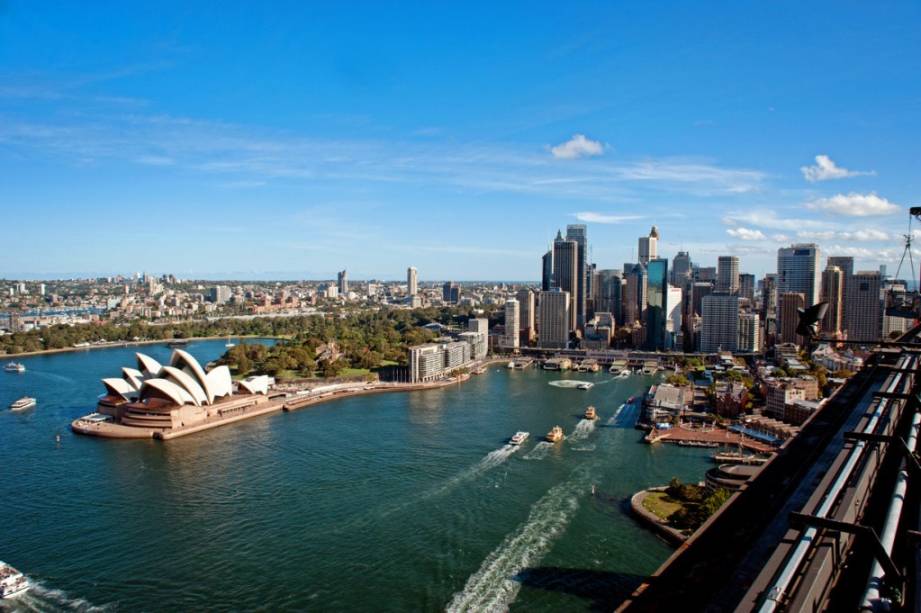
[[604, 589]]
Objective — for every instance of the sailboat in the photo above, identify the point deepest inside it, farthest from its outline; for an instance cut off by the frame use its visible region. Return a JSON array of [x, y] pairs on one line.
[[229, 343]]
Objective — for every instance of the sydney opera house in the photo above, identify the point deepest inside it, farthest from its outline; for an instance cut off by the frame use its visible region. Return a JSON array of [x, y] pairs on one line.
[[155, 400]]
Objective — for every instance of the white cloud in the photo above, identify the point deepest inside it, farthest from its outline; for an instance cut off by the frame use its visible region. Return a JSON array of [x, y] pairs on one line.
[[592, 217], [746, 234], [855, 205], [825, 169], [769, 219], [864, 235], [577, 147]]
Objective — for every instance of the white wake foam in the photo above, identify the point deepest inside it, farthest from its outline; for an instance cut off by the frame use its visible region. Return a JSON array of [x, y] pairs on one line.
[[491, 460], [493, 587], [616, 413], [583, 429], [41, 598], [540, 451]]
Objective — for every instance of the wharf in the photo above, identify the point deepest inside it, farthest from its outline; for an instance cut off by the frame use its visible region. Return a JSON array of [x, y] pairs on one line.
[[702, 438]]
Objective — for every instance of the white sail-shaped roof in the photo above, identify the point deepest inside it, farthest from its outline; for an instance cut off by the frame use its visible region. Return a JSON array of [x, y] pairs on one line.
[[118, 387], [166, 387], [133, 376], [256, 385], [147, 365], [187, 382], [184, 361], [220, 381]]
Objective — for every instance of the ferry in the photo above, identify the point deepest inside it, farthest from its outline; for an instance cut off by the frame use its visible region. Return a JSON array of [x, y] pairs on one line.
[[590, 413], [23, 403], [177, 342], [585, 385], [623, 374], [12, 582], [519, 438], [555, 435], [15, 367]]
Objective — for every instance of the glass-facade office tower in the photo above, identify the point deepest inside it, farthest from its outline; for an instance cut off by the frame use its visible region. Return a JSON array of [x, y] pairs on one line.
[[656, 299]]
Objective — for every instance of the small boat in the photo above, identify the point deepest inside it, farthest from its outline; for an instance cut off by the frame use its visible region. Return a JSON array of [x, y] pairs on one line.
[[229, 343], [590, 413], [511, 364], [623, 374], [12, 582], [16, 367], [518, 438], [23, 403], [555, 435], [585, 385], [177, 342]]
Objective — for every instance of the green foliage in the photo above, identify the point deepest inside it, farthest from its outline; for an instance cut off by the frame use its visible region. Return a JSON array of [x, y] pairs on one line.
[[697, 504], [677, 380]]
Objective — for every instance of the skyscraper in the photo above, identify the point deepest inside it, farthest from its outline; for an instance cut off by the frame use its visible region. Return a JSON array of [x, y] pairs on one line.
[[656, 298], [747, 286], [547, 271], [727, 274], [412, 281], [526, 313], [609, 293], [749, 333], [450, 292], [649, 246], [635, 295], [833, 294], [579, 234], [788, 305], [863, 306], [720, 331], [681, 269], [510, 337], [554, 319], [846, 264], [343, 279], [566, 271], [797, 273]]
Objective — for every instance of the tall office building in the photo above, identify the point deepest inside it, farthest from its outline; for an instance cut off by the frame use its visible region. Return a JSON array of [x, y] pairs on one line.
[[769, 295], [546, 280], [749, 333], [609, 293], [412, 281], [863, 306], [833, 294], [797, 273], [656, 298], [579, 234], [846, 264], [511, 335], [649, 246], [526, 314], [635, 295], [727, 274], [681, 269], [343, 279], [673, 317], [566, 272], [720, 331], [450, 292], [788, 305], [747, 286], [554, 319]]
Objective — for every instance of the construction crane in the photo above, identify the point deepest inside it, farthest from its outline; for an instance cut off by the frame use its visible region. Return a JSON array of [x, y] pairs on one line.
[[907, 304]]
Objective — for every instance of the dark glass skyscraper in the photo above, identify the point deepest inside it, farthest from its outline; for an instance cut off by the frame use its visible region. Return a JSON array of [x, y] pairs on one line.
[[546, 281], [579, 234], [656, 296], [566, 272]]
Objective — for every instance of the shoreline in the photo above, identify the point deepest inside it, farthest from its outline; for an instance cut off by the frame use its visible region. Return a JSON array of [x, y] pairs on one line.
[[672, 535], [124, 344]]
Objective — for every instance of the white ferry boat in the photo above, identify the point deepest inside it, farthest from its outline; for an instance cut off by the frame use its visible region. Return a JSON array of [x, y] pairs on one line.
[[519, 438], [23, 403], [12, 582], [15, 367], [555, 435], [585, 385]]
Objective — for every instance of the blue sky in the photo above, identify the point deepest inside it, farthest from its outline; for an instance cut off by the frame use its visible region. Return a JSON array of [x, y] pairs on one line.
[[295, 139]]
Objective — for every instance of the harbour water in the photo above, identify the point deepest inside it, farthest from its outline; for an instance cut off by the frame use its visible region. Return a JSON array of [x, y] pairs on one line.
[[386, 502]]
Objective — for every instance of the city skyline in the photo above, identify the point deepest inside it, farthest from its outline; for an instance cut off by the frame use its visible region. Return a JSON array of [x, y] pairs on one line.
[[287, 162]]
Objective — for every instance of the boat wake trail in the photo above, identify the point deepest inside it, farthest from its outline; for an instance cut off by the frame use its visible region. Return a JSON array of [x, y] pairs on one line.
[[567, 383], [493, 587], [540, 451], [491, 460], [613, 419], [41, 598], [583, 429]]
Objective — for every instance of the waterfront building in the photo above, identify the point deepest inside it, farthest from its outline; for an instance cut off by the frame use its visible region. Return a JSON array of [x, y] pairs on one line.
[[527, 316], [720, 329], [412, 281], [608, 293], [863, 306], [510, 338], [635, 295], [554, 319], [833, 294], [673, 318], [546, 282], [727, 274], [578, 233], [343, 282], [181, 394], [749, 333], [789, 304], [656, 297], [450, 292], [648, 247], [846, 264], [434, 361], [566, 273], [599, 332], [477, 336]]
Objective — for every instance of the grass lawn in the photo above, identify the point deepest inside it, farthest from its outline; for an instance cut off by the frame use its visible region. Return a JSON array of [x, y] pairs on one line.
[[354, 372], [661, 504], [389, 363]]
